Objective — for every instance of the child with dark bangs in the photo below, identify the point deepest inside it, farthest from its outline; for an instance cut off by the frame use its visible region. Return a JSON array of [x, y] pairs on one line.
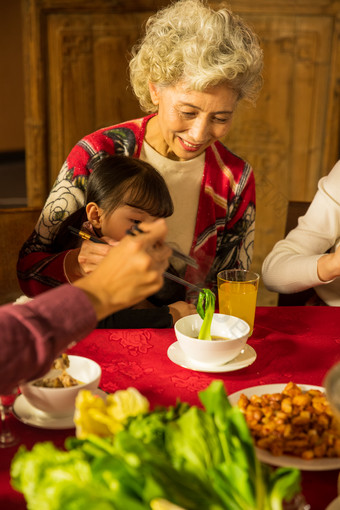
[[122, 192]]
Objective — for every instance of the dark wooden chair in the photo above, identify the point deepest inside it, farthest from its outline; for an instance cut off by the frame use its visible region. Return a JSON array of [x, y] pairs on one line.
[[294, 211], [16, 226]]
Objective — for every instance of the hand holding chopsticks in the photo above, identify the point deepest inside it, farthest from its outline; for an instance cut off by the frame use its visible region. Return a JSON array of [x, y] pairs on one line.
[[132, 231], [176, 253]]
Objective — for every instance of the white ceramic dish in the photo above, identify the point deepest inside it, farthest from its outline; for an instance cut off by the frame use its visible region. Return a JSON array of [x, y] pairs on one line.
[[60, 401], [334, 505], [30, 415], [230, 333], [244, 359], [324, 464]]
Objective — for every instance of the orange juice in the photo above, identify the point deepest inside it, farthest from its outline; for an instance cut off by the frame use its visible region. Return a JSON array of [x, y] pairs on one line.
[[238, 298]]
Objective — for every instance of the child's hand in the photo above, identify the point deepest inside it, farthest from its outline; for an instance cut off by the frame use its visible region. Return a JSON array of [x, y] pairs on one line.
[[90, 255], [82, 261], [329, 266], [129, 273], [181, 309], [142, 305]]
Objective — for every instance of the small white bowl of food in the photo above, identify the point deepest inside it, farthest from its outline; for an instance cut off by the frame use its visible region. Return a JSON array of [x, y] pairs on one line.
[[55, 393], [229, 336]]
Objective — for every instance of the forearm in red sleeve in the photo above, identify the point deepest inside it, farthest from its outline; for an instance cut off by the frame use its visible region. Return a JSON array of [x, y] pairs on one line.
[[40, 271]]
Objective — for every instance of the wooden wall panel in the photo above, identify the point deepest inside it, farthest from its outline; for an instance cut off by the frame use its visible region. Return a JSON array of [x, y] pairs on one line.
[[114, 37], [11, 84], [77, 81], [88, 85], [284, 136], [71, 106]]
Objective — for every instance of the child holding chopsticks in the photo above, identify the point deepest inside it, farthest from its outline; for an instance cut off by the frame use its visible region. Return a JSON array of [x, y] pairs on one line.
[[122, 192]]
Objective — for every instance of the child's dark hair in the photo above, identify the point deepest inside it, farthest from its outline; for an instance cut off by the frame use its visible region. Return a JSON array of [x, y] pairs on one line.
[[114, 182]]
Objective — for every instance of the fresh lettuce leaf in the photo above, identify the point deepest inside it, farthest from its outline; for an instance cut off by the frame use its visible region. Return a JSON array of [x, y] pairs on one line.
[[163, 479], [51, 479], [190, 456], [192, 443], [150, 427]]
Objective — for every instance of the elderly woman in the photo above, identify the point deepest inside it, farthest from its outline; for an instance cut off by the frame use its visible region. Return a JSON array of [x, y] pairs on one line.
[[189, 72]]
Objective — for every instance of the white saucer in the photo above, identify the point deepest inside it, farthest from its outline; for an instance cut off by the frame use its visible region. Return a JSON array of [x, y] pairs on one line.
[[244, 359], [30, 415]]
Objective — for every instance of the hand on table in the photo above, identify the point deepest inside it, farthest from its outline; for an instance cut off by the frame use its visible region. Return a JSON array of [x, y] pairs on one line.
[[329, 266], [181, 309], [178, 309]]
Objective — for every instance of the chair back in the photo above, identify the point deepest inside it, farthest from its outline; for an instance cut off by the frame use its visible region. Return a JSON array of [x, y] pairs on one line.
[[16, 226], [294, 211]]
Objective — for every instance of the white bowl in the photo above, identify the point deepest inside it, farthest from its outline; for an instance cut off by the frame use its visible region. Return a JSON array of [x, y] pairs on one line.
[[230, 336], [61, 401]]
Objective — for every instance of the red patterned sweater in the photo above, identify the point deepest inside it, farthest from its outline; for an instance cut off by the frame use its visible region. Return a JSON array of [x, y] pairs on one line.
[[225, 223]]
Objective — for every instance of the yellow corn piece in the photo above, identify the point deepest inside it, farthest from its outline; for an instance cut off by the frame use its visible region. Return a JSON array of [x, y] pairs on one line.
[[93, 415]]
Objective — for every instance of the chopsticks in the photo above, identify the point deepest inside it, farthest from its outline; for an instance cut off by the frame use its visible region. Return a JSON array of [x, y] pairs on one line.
[[181, 281], [176, 253], [80, 233], [189, 260], [85, 235]]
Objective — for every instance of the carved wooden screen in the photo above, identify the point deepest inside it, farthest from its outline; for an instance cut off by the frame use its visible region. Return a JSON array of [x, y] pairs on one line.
[[76, 54], [291, 138]]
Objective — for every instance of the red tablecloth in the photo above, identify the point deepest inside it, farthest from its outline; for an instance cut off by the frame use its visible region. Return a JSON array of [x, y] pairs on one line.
[[292, 344]]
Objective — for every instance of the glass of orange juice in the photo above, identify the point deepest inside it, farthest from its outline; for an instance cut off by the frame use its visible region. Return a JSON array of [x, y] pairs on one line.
[[237, 293]]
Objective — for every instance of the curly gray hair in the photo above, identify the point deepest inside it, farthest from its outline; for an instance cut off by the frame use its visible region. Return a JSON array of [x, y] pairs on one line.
[[190, 42]]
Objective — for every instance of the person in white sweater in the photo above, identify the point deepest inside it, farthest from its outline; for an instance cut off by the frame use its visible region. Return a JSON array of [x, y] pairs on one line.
[[309, 256]]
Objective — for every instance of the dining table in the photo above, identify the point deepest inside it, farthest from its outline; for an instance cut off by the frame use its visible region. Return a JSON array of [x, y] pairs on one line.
[[298, 344]]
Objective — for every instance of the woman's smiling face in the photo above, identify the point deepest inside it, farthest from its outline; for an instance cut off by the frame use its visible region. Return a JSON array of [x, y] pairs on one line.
[[189, 121]]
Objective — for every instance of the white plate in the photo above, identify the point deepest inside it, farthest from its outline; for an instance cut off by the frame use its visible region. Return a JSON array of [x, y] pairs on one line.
[[244, 359], [334, 505], [30, 415], [323, 464]]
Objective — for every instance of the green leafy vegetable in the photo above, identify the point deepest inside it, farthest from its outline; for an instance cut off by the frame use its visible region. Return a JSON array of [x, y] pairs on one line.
[[206, 308], [192, 457]]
